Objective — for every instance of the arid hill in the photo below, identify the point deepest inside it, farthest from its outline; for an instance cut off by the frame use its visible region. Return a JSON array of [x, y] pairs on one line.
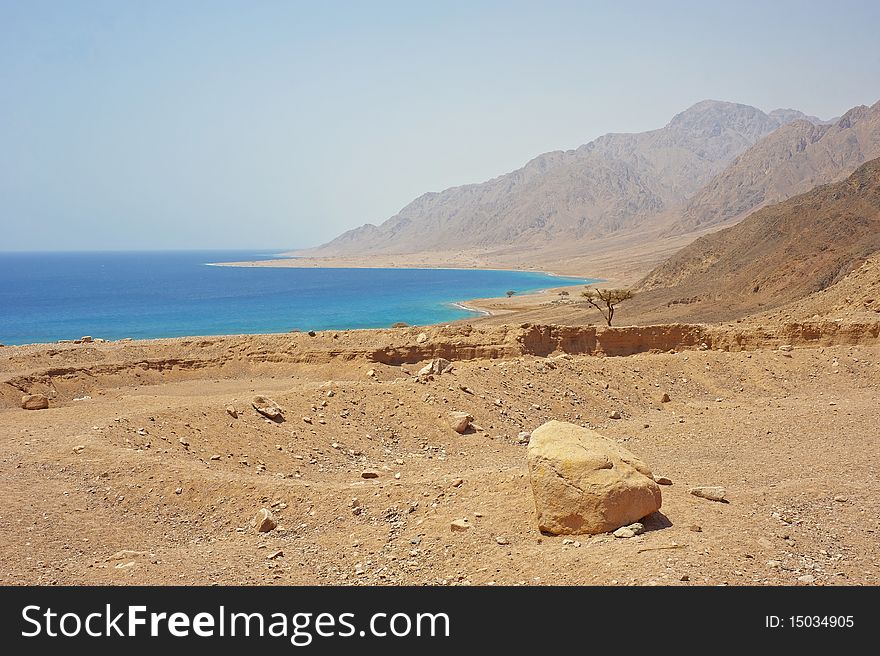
[[777, 255], [792, 160], [617, 182]]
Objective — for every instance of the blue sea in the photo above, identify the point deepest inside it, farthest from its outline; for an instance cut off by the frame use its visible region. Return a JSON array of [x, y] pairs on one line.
[[45, 297]]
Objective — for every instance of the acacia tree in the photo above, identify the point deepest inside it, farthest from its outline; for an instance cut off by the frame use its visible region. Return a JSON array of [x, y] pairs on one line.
[[606, 300]]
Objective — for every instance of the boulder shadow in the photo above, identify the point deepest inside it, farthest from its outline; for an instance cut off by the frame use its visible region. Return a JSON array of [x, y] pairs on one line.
[[656, 521]]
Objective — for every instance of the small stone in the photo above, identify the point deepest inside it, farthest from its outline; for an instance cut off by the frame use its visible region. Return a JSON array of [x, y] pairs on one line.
[[307, 420], [457, 482], [502, 540], [183, 441], [712, 493], [664, 398], [231, 411], [807, 579], [86, 339], [267, 407], [615, 414], [215, 457], [312, 333], [662, 480], [524, 437], [178, 490], [841, 499], [369, 473], [264, 521], [397, 476], [79, 448], [634, 529], [422, 338], [371, 373], [459, 525], [685, 577], [785, 347], [695, 528], [275, 554], [34, 402], [460, 421]]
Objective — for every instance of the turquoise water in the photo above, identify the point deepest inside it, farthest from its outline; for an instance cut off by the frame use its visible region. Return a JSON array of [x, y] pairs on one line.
[[45, 297]]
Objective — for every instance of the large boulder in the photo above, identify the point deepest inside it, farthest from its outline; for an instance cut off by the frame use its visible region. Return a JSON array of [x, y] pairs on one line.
[[584, 482]]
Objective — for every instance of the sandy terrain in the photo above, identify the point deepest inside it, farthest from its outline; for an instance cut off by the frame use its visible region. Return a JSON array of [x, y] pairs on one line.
[[137, 474]]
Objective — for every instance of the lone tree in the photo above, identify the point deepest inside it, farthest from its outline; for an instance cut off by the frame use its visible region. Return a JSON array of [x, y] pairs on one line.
[[510, 293], [605, 300]]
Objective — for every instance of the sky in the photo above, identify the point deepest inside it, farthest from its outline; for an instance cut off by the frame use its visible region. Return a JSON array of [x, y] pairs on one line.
[[278, 125]]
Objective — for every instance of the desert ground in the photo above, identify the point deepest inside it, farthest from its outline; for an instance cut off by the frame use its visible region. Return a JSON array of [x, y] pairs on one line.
[[138, 472]]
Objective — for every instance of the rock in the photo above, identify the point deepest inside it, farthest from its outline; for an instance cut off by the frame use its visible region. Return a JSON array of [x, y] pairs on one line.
[[231, 411], [264, 521], [215, 457], [422, 338], [267, 407], [665, 398], [459, 525], [841, 499], [312, 333], [502, 540], [34, 402], [786, 347], [307, 420], [615, 414], [806, 579], [460, 421], [436, 366], [695, 528], [585, 483], [630, 531], [524, 437], [178, 490], [458, 482], [371, 373], [79, 448], [712, 493], [369, 473], [275, 554], [662, 480], [86, 339], [127, 554]]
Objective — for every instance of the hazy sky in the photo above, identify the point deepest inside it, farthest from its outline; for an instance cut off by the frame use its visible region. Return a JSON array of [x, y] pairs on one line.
[[139, 125]]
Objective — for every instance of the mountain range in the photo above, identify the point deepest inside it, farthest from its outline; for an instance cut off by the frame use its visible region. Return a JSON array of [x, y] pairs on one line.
[[709, 166]]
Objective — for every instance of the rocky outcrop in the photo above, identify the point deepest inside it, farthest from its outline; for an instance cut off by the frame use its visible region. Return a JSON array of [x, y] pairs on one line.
[[268, 408], [585, 483]]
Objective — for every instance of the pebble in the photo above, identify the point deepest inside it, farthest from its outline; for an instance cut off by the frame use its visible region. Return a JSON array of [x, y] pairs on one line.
[[231, 411], [369, 473], [275, 554], [841, 499], [712, 493], [459, 525], [630, 531], [502, 540], [662, 480], [264, 521], [615, 414], [807, 579]]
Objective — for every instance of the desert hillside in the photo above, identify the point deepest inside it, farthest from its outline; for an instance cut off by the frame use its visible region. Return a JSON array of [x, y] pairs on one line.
[[792, 160], [777, 255]]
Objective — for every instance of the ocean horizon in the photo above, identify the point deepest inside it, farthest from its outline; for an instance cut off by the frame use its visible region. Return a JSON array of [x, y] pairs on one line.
[[50, 296]]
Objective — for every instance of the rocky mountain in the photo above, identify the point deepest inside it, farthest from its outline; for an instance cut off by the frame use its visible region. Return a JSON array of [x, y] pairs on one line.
[[615, 183], [776, 255], [790, 161]]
